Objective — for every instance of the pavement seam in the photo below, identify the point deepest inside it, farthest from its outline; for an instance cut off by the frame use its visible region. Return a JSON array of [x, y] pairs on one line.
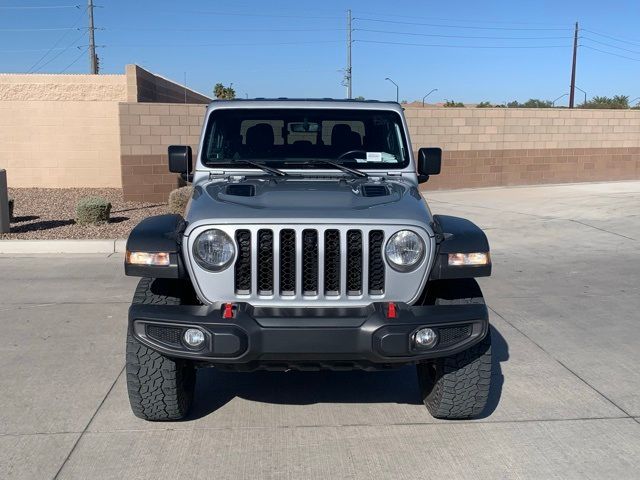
[[338, 425], [541, 217], [598, 228], [364, 425], [565, 366], [84, 430]]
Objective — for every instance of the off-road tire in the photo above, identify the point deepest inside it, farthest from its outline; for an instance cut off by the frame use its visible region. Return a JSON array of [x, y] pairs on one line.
[[160, 388], [457, 387]]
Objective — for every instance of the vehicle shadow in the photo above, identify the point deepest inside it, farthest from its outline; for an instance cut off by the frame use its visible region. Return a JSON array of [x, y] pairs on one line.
[[499, 354], [215, 388]]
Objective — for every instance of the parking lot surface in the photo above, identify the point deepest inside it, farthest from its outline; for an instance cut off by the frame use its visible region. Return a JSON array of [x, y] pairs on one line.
[[565, 307]]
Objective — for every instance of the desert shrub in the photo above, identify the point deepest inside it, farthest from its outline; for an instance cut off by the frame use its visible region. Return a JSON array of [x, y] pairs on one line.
[[179, 198], [92, 211]]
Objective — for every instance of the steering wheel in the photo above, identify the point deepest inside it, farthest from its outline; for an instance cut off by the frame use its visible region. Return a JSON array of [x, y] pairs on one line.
[[350, 152]]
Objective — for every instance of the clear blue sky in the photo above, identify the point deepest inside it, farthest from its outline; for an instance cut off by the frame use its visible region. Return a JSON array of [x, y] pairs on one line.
[[297, 48]]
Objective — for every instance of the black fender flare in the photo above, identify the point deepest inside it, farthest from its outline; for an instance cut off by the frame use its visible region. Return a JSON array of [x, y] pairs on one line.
[[457, 235], [160, 233]]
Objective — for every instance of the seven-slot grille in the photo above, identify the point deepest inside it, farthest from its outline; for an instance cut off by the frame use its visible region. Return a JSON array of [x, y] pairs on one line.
[[310, 262]]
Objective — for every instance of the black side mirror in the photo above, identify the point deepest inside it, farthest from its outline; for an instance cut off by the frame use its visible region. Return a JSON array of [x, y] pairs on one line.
[[429, 163], [180, 159]]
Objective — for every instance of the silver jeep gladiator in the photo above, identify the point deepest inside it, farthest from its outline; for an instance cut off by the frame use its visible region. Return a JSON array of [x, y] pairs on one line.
[[306, 245]]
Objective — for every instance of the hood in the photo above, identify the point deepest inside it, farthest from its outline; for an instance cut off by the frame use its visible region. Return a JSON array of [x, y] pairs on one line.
[[302, 199]]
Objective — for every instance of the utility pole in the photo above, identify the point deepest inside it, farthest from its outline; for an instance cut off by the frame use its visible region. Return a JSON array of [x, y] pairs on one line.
[[347, 72], [93, 60], [572, 89]]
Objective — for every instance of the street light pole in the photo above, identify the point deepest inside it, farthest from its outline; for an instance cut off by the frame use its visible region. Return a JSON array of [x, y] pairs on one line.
[[397, 89], [561, 96], [434, 90], [585, 94], [631, 101]]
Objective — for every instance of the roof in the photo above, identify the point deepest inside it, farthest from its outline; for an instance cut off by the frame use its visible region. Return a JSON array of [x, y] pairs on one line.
[[284, 102]]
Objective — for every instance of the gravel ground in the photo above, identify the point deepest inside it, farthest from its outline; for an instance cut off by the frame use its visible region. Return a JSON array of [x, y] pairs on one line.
[[48, 213]]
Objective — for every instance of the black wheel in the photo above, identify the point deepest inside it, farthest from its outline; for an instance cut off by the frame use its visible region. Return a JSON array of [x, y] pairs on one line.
[[160, 388], [457, 387]]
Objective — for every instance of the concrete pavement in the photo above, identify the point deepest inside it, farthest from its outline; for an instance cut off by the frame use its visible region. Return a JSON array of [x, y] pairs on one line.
[[565, 403]]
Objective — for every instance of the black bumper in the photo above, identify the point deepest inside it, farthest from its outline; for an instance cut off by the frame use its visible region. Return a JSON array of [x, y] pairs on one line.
[[281, 338]]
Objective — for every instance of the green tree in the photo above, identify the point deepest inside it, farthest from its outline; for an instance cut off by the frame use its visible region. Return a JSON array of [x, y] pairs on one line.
[[359, 97], [453, 103], [224, 93], [531, 103], [617, 102], [484, 105]]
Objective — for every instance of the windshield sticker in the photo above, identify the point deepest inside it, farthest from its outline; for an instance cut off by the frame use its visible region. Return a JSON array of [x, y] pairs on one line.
[[374, 156]]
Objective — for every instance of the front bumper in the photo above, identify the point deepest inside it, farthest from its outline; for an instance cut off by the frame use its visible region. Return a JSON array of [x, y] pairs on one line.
[[282, 338]]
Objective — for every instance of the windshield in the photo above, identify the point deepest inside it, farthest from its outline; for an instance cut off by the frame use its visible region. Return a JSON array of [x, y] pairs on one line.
[[286, 137]]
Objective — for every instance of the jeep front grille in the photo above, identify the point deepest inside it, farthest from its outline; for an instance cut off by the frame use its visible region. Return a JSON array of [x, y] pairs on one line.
[[341, 262], [304, 264]]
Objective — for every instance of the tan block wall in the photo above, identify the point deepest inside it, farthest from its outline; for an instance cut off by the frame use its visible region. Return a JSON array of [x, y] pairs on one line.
[[60, 143], [486, 168], [86, 88], [498, 146], [146, 131], [64, 130], [144, 86], [522, 128]]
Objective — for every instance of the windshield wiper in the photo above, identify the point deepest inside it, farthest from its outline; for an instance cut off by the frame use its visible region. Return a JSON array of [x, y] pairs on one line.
[[339, 166], [273, 171]]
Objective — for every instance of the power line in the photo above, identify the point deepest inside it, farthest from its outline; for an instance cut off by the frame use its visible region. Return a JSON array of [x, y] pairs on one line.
[[459, 26], [34, 29], [610, 53], [70, 46], [64, 35], [173, 45], [76, 60], [610, 45], [635, 43], [460, 36], [198, 12], [506, 22], [231, 29], [462, 46], [29, 50], [39, 7]]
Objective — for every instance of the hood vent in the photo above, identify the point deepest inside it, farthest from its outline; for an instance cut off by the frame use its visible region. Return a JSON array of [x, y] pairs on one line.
[[374, 191], [241, 190]]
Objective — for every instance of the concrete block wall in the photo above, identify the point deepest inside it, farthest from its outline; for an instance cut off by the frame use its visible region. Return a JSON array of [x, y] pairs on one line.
[[64, 130], [60, 144], [498, 146], [482, 147], [146, 131], [144, 86]]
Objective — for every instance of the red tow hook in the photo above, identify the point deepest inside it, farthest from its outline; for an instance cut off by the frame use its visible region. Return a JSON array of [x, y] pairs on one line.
[[227, 310], [392, 310]]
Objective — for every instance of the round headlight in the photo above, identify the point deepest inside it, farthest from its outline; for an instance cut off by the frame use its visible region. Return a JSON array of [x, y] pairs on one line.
[[213, 250], [404, 250]]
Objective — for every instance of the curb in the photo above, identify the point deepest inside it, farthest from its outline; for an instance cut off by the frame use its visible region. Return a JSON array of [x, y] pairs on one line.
[[62, 246]]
